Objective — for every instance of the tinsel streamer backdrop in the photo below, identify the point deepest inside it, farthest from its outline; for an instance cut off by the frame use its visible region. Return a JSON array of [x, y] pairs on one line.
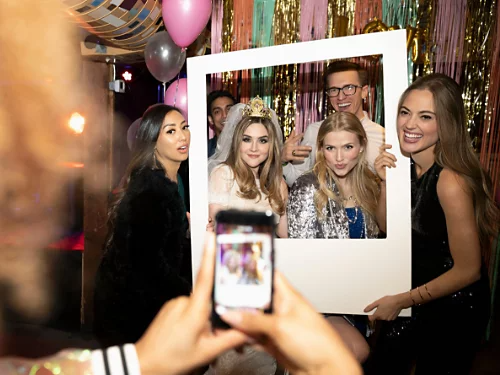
[[369, 11], [216, 40], [366, 11], [242, 39], [340, 23], [490, 150], [310, 91], [399, 14], [286, 31], [263, 11], [480, 19], [449, 33], [227, 41]]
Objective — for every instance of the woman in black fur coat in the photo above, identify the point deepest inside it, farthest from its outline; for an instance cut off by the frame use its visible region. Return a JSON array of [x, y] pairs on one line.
[[147, 257]]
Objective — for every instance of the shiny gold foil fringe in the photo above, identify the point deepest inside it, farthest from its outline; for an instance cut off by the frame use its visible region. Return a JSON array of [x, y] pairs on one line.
[[227, 41], [286, 30], [480, 20]]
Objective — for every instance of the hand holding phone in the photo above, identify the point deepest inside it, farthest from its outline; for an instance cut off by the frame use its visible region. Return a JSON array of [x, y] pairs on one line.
[[296, 335], [244, 265]]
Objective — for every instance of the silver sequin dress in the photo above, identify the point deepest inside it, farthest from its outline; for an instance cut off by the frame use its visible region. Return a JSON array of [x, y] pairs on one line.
[[303, 221]]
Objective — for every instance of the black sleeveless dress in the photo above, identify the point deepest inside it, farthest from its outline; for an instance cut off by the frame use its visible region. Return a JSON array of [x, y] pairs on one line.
[[442, 336]]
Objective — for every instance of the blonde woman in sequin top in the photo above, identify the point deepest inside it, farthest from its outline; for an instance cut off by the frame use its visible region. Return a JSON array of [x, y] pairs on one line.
[[245, 171], [339, 198]]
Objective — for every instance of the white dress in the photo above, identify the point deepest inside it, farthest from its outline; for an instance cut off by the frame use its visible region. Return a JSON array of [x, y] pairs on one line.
[[223, 190]]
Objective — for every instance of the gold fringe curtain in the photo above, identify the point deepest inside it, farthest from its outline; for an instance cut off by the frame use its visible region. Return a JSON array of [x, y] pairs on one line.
[[286, 31], [227, 37]]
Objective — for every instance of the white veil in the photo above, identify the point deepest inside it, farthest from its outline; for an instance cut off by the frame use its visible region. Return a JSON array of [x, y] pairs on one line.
[[224, 141]]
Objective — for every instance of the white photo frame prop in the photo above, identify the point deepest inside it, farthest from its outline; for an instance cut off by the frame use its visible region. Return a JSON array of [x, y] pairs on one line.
[[337, 276]]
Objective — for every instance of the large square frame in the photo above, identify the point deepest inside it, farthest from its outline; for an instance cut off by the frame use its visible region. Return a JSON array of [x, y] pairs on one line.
[[337, 276]]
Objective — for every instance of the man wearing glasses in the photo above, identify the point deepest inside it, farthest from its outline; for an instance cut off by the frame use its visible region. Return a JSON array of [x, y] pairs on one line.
[[347, 88]]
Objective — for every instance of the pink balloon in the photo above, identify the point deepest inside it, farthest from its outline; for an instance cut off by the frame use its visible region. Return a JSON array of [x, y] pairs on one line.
[[185, 19], [176, 95]]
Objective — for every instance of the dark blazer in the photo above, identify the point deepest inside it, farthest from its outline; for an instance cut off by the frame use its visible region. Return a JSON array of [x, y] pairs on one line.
[[147, 261]]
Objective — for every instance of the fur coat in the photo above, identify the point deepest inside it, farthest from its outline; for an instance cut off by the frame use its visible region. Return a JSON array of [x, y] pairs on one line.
[[147, 261]]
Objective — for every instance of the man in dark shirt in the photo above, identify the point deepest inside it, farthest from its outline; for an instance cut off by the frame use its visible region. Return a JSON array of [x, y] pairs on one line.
[[218, 105]]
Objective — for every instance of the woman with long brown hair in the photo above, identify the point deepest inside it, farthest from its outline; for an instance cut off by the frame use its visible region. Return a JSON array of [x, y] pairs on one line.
[[147, 259], [340, 198], [453, 220], [245, 171]]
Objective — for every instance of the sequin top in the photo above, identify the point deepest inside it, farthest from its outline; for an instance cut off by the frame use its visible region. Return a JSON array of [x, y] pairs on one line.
[[431, 256], [303, 221]]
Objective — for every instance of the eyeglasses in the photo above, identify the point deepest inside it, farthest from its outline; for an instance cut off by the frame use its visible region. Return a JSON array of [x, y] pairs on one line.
[[347, 90]]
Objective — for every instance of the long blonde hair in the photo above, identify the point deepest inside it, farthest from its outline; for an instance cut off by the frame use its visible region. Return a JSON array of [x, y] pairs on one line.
[[269, 173], [363, 181], [454, 151]]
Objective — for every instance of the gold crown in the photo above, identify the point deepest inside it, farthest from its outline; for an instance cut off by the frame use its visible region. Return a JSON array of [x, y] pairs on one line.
[[257, 108]]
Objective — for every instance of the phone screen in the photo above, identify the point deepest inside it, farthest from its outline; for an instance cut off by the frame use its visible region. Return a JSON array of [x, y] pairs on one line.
[[244, 267]]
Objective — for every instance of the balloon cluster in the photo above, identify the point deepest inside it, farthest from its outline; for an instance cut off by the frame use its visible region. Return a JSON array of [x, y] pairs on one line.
[[165, 52], [414, 37]]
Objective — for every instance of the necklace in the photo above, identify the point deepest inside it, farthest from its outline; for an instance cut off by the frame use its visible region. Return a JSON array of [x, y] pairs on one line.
[[356, 209], [353, 221]]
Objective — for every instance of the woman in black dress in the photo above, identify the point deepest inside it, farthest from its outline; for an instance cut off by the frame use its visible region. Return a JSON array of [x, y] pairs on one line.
[[453, 220], [147, 258]]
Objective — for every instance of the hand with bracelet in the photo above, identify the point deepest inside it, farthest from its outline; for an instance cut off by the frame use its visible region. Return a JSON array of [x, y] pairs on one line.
[[389, 307]]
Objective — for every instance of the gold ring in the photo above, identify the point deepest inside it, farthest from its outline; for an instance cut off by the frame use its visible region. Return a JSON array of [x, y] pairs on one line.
[[293, 153]]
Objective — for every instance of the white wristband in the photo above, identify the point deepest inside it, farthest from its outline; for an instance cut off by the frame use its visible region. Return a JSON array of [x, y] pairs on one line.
[[116, 360]]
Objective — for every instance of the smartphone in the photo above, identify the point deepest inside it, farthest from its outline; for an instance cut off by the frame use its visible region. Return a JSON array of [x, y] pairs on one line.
[[244, 266]]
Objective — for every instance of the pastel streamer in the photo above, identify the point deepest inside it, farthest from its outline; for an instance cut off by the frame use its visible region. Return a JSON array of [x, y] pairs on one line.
[[366, 12], [263, 11], [242, 39], [449, 37], [313, 23], [216, 41]]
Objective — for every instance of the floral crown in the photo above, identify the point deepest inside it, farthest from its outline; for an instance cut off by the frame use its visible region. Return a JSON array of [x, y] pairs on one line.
[[256, 108]]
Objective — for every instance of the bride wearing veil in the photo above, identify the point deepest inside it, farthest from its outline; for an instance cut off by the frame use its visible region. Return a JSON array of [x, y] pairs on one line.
[[245, 170]]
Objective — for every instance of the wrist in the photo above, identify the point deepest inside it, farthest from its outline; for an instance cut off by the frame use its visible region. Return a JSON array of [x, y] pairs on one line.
[[147, 365], [406, 300]]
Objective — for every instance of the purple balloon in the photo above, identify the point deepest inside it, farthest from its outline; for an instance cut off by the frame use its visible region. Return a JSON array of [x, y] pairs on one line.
[[176, 95], [185, 19], [131, 133]]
